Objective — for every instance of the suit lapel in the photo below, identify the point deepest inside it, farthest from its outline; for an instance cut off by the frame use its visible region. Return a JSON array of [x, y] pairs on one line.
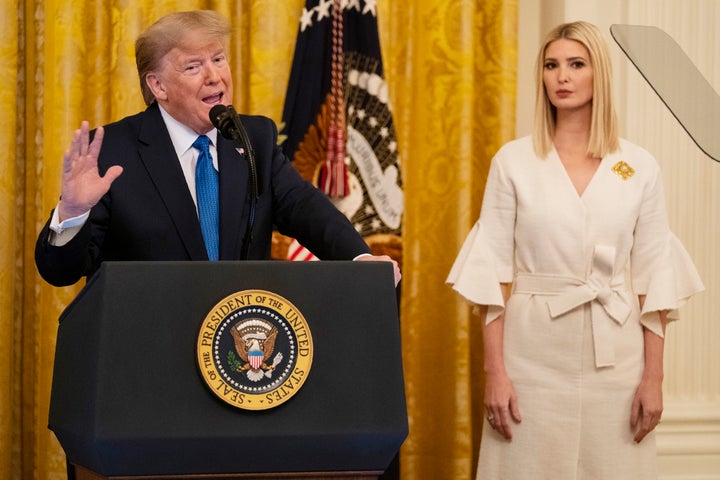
[[158, 156], [233, 205]]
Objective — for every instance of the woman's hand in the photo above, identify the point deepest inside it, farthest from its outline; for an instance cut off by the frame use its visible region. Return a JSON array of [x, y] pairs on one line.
[[647, 407], [501, 403]]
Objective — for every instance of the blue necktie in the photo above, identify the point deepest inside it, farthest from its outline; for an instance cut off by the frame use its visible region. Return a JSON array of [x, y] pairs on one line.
[[206, 188]]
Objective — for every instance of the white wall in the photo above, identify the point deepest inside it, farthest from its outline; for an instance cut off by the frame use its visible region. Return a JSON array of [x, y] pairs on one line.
[[689, 436]]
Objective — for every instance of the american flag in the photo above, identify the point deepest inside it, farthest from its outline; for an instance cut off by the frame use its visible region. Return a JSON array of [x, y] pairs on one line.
[[337, 123]]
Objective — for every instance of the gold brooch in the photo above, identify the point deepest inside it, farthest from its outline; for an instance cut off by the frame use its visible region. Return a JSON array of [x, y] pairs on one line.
[[623, 169]]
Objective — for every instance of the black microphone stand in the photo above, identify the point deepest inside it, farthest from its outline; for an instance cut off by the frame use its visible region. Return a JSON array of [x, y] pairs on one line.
[[235, 131]]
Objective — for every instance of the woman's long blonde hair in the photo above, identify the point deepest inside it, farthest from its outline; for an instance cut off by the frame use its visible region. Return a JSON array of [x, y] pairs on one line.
[[603, 124]]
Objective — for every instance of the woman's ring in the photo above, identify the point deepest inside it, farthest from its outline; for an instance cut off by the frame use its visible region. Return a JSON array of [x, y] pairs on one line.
[[490, 417]]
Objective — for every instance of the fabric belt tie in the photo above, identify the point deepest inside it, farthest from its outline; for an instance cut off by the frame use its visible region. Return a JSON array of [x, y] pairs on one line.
[[601, 290]]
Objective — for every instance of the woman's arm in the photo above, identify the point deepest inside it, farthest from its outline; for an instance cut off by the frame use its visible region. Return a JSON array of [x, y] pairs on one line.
[[647, 405], [500, 398]]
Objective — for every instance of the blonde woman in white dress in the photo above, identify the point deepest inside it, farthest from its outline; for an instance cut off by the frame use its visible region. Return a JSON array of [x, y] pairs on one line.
[[575, 274]]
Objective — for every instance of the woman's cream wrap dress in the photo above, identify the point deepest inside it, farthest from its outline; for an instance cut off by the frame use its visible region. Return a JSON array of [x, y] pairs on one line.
[[573, 341]]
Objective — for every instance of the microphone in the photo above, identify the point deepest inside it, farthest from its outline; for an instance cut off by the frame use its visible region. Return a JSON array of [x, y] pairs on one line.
[[222, 119], [228, 123]]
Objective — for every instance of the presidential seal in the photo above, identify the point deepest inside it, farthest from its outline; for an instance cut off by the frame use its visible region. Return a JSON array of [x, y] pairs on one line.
[[254, 350]]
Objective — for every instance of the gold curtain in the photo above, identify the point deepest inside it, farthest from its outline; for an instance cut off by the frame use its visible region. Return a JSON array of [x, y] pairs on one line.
[[451, 72]]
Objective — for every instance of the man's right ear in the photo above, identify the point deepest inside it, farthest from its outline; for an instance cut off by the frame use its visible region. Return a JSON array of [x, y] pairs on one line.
[[156, 86]]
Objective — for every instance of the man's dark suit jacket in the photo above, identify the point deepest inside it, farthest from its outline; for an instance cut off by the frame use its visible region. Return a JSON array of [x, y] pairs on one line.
[[149, 214]]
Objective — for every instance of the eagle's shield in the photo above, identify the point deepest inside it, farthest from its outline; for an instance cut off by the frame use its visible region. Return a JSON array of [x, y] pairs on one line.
[[256, 357]]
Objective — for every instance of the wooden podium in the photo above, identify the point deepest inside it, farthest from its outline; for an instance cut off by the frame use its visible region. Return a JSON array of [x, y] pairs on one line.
[[82, 473], [129, 401]]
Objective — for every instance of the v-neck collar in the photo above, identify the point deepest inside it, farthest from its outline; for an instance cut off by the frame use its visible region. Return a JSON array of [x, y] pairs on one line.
[[556, 157]]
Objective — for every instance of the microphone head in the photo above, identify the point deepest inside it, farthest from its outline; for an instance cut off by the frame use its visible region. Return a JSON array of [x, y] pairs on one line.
[[216, 111], [221, 118]]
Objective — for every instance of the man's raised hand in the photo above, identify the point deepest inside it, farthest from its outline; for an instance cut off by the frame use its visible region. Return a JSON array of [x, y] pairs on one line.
[[82, 185]]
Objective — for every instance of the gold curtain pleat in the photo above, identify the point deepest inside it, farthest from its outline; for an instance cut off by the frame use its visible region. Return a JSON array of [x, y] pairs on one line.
[[10, 242], [450, 67]]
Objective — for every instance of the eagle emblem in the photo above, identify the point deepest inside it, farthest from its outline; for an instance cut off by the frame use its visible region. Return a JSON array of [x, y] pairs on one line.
[[254, 349], [254, 340]]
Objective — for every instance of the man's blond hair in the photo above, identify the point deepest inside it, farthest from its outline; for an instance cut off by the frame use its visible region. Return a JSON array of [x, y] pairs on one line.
[[170, 32]]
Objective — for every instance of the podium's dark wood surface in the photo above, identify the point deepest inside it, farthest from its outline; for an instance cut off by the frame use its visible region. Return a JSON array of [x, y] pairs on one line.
[[82, 473]]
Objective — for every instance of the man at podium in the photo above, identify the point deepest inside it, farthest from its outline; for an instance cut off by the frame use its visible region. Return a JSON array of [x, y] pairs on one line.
[[165, 185]]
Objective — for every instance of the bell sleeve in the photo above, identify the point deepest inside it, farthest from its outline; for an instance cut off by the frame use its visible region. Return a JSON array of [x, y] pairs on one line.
[[661, 268], [486, 257]]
